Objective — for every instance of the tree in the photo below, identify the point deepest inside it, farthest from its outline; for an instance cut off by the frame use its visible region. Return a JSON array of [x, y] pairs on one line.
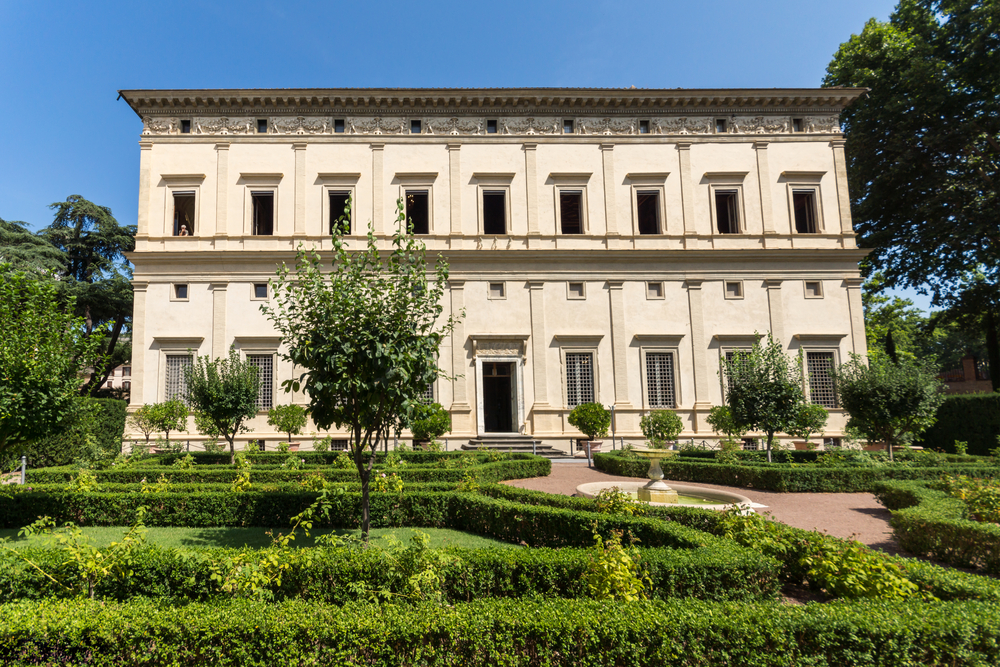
[[144, 420], [661, 427], [763, 389], [41, 351], [429, 422], [22, 250], [720, 418], [810, 418], [923, 149], [223, 393], [94, 272], [890, 402], [290, 419], [366, 336], [169, 416]]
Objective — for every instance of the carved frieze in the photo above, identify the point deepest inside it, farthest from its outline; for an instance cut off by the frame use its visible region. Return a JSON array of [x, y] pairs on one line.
[[300, 125], [681, 126], [376, 125], [608, 125], [161, 125], [531, 126], [223, 125], [499, 348], [823, 124]]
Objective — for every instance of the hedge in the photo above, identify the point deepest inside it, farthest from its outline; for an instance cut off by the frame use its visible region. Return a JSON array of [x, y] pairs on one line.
[[311, 457], [928, 522], [579, 633], [974, 418], [333, 573], [102, 418], [791, 478]]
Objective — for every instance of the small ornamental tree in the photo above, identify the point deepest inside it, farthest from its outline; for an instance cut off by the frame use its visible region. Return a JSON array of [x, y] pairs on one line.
[[223, 392], [810, 418], [593, 419], [169, 416], [763, 388], [889, 401], [290, 419], [366, 334], [144, 420], [42, 347], [661, 427], [720, 418], [430, 422]]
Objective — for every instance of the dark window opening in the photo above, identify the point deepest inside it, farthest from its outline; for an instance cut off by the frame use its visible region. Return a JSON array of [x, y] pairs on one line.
[[180, 291], [727, 214], [260, 290], [183, 213], [418, 211], [263, 213], [414, 127], [494, 212], [185, 127], [491, 127], [804, 204], [720, 125], [571, 211], [126, 371], [261, 126], [643, 127], [340, 213], [567, 127], [648, 205], [796, 125], [338, 125]]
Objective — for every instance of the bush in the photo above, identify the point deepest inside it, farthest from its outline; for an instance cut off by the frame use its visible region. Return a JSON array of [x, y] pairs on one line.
[[592, 419], [431, 422], [973, 418], [95, 431], [661, 427]]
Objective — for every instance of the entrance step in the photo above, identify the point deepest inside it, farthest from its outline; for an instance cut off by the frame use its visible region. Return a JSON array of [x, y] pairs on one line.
[[515, 444]]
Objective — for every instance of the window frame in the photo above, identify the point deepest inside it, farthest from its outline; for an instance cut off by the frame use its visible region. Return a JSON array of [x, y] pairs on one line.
[[180, 183], [493, 182], [800, 181], [262, 346], [660, 344], [577, 344], [727, 180], [725, 290], [173, 292], [571, 182], [489, 290], [807, 383], [338, 182], [253, 292], [819, 343], [647, 182], [415, 181], [261, 183], [731, 343], [805, 289], [172, 346], [569, 293], [653, 297]]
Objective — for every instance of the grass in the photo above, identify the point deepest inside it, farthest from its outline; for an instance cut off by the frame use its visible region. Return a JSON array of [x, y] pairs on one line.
[[257, 537]]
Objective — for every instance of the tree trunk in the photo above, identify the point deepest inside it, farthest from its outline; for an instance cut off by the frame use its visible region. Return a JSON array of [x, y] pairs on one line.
[[770, 437], [993, 349], [232, 450], [365, 519]]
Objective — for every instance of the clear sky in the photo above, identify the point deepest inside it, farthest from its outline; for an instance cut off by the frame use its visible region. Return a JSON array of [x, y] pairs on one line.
[[62, 63]]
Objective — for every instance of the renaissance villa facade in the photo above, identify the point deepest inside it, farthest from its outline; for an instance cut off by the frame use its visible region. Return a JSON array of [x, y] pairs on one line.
[[605, 245]]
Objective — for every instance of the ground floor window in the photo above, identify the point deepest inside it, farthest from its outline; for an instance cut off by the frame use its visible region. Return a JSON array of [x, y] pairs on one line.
[[579, 378], [265, 374], [176, 383], [660, 391]]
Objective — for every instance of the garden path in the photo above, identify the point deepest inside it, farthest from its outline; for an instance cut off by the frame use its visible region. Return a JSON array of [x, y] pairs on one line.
[[856, 515]]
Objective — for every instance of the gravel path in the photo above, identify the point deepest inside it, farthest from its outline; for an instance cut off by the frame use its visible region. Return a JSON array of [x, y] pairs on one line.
[[856, 515]]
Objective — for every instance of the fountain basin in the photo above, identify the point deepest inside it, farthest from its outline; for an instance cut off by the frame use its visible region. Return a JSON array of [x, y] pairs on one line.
[[688, 495]]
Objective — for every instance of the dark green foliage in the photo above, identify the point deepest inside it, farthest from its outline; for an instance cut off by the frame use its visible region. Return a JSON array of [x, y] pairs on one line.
[[109, 424], [974, 418], [94, 431], [429, 422], [567, 633], [592, 419], [224, 392]]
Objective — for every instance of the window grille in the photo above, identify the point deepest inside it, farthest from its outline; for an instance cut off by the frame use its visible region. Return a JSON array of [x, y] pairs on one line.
[[727, 370], [579, 378], [176, 382], [265, 374], [428, 395], [660, 380], [821, 388]]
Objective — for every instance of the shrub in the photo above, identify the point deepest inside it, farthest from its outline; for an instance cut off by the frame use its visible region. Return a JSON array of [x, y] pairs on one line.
[[430, 422], [661, 427], [95, 430], [592, 419], [972, 418], [810, 418]]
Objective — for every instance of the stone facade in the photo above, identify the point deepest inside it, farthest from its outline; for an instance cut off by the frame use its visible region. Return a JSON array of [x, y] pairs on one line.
[[701, 217]]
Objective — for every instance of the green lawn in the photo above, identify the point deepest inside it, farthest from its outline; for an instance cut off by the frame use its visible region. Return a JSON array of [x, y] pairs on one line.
[[257, 537]]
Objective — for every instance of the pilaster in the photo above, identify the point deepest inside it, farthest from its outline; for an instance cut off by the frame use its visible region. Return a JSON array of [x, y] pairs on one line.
[[138, 344], [610, 212], [300, 189], [459, 361], [776, 309], [843, 196], [764, 185], [619, 344], [145, 176], [378, 184], [455, 187], [219, 347], [687, 194], [859, 341], [221, 190], [699, 350], [531, 185], [539, 378]]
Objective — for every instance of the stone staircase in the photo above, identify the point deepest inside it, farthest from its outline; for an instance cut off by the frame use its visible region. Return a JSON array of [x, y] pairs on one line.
[[518, 444]]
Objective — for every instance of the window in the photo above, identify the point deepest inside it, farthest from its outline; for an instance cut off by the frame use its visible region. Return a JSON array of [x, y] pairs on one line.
[[260, 291], [176, 383], [796, 125], [414, 127], [261, 126], [643, 127], [804, 207], [576, 290], [660, 391], [428, 396], [340, 211], [579, 378], [814, 289], [720, 126], [727, 375], [491, 127], [262, 206], [829, 443], [338, 125], [126, 385], [734, 289], [183, 213], [109, 385], [498, 291], [821, 387], [180, 292], [418, 211], [727, 211], [494, 212], [265, 375], [126, 371], [567, 126], [185, 127], [647, 204], [571, 211], [654, 290]]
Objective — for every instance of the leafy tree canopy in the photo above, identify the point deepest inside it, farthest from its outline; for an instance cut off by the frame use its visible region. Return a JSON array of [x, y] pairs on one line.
[[21, 250], [223, 393]]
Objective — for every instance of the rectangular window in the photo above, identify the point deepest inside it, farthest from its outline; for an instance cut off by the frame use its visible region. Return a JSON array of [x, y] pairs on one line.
[[491, 127], [338, 125], [265, 375], [821, 387], [660, 391], [567, 127], [498, 291], [176, 383], [643, 127], [183, 213], [720, 125], [576, 290], [260, 290], [796, 125], [654, 290], [804, 203], [727, 211], [494, 212], [579, 378], [648, 208], [414, 127], [263, 213], [185, 127], [418, 211], [126, 385], [180, 292], [109, 385], [340, 213], [428, 396], [571, 211], [727, 373], [814, 289], [734, 289], [261, 126], [126, 371]]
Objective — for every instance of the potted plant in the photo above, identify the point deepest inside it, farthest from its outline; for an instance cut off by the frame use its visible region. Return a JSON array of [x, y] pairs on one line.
[[290, 419], [811, 418], [428, 423], [661, 427], [594, 421], [721, 420]]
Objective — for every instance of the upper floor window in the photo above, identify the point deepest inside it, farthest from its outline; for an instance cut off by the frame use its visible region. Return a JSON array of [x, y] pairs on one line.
[[175, 378], [184, 213], [340, 211], [262, 206], [418, 211], [727, 211], [571, 211], [804, 207], [647, 204], [494, 212]]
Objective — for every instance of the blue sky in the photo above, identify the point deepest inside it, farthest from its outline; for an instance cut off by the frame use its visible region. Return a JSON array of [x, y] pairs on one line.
[[61, 63]]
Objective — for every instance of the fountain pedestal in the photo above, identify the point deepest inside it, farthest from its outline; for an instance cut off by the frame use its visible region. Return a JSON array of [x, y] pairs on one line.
[[655, 490]]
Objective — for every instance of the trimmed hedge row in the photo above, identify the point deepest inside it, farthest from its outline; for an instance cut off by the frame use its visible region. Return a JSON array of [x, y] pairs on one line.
[[209, 487], [311, 457], [332, 574], [102, 419], [928, 522], [974, 418], [784, 478], [490, 633]]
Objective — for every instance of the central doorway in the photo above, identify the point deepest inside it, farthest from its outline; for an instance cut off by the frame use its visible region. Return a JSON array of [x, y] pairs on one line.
[[499, 396]]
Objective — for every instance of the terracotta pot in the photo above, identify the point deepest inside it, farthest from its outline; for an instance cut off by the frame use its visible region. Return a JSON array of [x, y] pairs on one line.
[[420, 444], [801, 446], [592, 445], [293, 446]]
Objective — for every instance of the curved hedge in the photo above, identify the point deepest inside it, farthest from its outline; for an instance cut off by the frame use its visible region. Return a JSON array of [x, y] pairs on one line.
[[928, 522], [577, 633]]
